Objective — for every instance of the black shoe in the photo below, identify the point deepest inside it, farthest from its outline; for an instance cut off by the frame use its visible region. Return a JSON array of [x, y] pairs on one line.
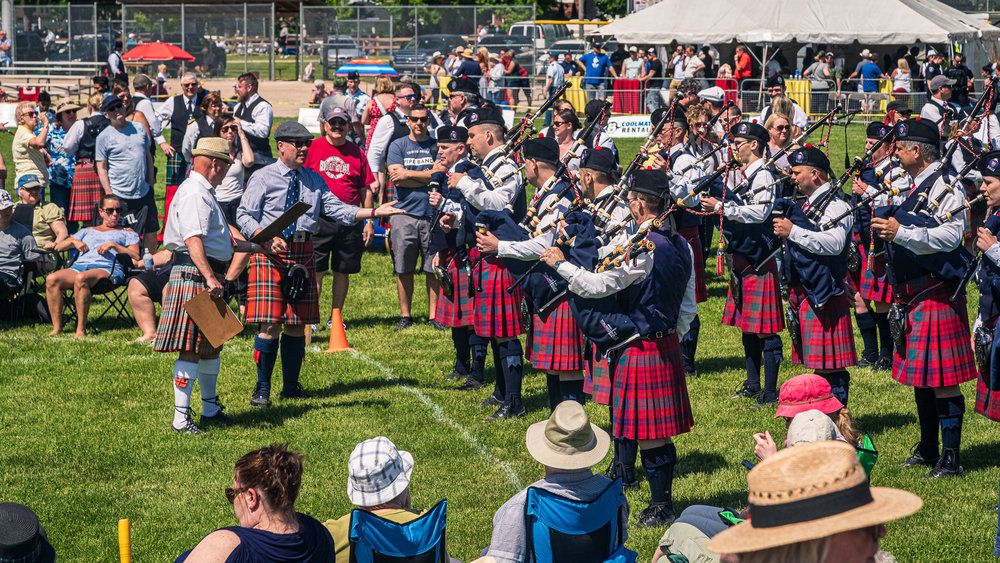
[[455, 375], [436, 325], [508, 410], [471, 384], [188, 427], [764, 400], [656, 515], [690, 372], [614, 471], [490, 401], [884, 363], [220, 419], [632, 485], [745, 391], [917, 458], [295, 392], [260, 398], [403, 324], [946, 466]]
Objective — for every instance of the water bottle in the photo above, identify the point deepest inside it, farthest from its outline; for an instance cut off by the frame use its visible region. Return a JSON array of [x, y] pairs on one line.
[[147, 260]]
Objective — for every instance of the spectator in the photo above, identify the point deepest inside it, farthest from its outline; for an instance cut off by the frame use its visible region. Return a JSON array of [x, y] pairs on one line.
[[121, 92], [354, 90], [436, 72], [632, 67], [116, 66], [266, 484], [653, 77], [63, 163], [569, 65], [98, 246], [820, 78], [48, 224], [161, 81], [843, 519], [567, 445], [254, 115], [725, 80], [393, 127], [565, 125], [340, 98], [125, 167], [618, 56], [596, 66], [468, 67], [383, 102], [780, 130], [712, 99], [345, 170], [141, 84], [28, 149], [687, 92], [378, 481], [868, 72], [775, 90], [902, 82], [202, 126], [178, 111], [483, 59], [931, 69], [145, 290], [516, 77], [283, 39], [411, 160], [24, 539], [496, 85], [101, 85], [16, 246], [81, 141], [319, 92], [555, 75], [741, 64], [4, 49], [963, 78], [695, 66], [678, 61], [45, 107], [705, 54]]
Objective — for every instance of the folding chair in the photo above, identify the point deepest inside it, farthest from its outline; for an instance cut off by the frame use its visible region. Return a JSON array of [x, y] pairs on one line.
[[561, 530], [377, 540], [19, 297], [117, 296]]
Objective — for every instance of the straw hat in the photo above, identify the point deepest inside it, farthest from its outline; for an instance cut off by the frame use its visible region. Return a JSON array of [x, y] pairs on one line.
[[567, 440], [808, 492], [467, 53], [213, 147]]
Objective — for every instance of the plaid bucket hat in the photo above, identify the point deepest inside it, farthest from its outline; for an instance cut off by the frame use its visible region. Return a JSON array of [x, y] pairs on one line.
[[377, 472]]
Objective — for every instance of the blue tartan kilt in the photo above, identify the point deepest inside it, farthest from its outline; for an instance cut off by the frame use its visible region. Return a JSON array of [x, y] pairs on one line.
[[176, 169]]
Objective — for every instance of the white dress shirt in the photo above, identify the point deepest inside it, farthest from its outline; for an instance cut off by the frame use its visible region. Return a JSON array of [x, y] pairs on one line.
[[759, 201], [829, 242], [191, 136], [144, 105], [194, 212], [380, 137], [532, 248], [928, 240], [166, 111]]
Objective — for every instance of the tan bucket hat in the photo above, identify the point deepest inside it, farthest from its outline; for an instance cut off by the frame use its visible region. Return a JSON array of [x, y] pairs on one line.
[[811, 491], [214, 147], [567, 440]]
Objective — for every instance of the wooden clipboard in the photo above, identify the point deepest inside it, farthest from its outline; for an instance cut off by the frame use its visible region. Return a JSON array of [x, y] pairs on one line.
[[214, 318], [282, 222]]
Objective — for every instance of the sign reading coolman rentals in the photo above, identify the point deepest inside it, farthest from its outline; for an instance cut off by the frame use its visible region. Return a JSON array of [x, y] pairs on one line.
[[628, 126]]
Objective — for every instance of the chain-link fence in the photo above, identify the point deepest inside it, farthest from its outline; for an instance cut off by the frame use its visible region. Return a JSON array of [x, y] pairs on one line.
[[76, 32]]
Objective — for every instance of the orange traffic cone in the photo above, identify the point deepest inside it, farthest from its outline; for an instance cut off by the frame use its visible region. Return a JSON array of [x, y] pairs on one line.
[[338, 338]]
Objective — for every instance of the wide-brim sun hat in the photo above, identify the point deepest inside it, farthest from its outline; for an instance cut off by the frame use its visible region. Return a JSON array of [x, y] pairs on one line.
[[808, 492], [213, 147], [567, 439], [377, 472], [805, 392]]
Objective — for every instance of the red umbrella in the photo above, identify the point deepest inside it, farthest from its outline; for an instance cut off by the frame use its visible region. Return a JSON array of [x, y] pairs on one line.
[[157, 51]]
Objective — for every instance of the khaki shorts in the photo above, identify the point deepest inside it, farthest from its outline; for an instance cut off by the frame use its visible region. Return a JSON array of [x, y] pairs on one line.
[[410, 238]]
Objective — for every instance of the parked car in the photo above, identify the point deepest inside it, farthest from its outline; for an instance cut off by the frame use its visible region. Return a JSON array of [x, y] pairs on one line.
[[543, 34], [28, 46], [577, 47], [524, 51], [339, 49], [415, 55]]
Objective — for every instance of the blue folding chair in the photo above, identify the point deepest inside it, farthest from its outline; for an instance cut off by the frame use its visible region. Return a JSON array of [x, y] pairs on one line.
[[377, 540], [561, 530]]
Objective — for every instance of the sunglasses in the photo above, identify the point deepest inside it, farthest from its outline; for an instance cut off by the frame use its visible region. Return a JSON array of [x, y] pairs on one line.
[[424, 119], [231, 493], [408, 97], [29, 113], [782, 127], [230, 129], [337, 123], [558, 123], [110, 210], [298, 144], [191, 85]]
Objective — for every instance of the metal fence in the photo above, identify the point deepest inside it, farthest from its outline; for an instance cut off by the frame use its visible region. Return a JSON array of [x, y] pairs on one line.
[[82, 33]]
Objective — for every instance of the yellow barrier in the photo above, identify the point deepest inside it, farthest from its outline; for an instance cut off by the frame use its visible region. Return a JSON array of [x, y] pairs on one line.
[[800, 91]]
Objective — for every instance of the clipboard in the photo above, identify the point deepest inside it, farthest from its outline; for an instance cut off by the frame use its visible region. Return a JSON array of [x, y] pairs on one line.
[[281, 223], [214, 318]]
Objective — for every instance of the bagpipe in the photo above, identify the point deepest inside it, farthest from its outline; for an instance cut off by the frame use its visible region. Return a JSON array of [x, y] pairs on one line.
[[964, 127], [715, 118], [985, 343], [456, 238], [860, 162]]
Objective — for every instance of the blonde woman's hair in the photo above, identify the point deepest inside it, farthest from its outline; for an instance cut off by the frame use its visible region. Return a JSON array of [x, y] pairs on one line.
[[903, 66], [846, 427], [383, 85], [783, 105], [775, 116], [21, 108], [95, 101], [725, 71], [482, 54]]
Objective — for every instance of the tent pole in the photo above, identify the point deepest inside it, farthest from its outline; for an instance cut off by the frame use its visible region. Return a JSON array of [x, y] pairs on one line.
[[763, 76]]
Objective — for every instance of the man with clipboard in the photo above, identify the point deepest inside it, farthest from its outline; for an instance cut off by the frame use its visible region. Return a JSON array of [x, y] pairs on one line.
[[283, 299]]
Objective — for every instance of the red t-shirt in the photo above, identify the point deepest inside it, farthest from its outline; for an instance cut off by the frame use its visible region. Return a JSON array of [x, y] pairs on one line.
[[742, 69], [344, 168]]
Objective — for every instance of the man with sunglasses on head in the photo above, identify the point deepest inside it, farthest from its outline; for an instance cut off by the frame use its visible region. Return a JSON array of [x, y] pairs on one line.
[[343, 166], [125, 168], [282, 294], [254, 115], [411, 161], [178, 111], [391, 127]]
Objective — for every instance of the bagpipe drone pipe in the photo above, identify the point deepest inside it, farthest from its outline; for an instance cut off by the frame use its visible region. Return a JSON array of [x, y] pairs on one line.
[[822, 277], [984, 341], [905, 265]]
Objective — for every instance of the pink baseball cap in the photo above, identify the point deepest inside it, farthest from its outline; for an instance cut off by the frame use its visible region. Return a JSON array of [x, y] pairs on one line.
[[805, 392]]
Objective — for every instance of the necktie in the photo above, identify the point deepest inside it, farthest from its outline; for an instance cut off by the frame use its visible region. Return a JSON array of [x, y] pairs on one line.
[[291, 197]]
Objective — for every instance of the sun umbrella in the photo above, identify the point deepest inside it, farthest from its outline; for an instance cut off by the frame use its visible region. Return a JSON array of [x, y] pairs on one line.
[[367, 67], [157, 51]]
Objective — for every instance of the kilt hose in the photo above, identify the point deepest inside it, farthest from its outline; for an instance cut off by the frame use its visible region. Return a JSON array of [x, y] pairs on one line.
[[987, 402], [693, 236], [176, 169], [650, 394], [85, 194], [176, 332], [597, 379], [938, 345], [556, 342], [875, 280], [265, 302], [760, 311], [827, 334], [457, 310], [497, 314], [853, 279]]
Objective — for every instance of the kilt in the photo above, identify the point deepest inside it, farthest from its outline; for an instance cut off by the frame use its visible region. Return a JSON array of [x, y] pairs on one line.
[[853, 279], [176, 332], [457, 311], [875, 280], [693, 236], [556, 341], [85, 194], [176, 169], [650, 394], [597, 379], [987, 402], [760, 311], [938, 344], [827, 334], [266, 304], [497, 314]]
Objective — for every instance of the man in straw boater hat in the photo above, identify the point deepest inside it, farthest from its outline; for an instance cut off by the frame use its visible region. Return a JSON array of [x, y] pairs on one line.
[[568, 445], [812, 503], [202, 247]]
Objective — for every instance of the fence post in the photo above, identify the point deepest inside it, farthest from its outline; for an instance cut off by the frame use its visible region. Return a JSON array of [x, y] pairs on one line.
[[183, 30], [299, 58], [270, 48], [69, 29], [95, 29], [246, 38]]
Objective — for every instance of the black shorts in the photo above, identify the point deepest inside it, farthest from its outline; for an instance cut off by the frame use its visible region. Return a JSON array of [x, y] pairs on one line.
[[338, 247], [151, 224], [154, 281]]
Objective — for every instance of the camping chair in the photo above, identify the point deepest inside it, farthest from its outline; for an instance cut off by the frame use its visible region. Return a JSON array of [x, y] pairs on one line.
[[561, 530], [377, 540], [25, 296], [117, 295]]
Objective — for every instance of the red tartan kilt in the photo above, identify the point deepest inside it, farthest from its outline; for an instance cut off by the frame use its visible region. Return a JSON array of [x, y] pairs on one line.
[[85, 194], [555, 341], [176, 332], [496, 314], [853, 279], [457, 311], [761, 311], [987, 402], [827, 335], [266, 304], [597, 379], [650, 394], [693, 236], [938, 344], [875, 281]]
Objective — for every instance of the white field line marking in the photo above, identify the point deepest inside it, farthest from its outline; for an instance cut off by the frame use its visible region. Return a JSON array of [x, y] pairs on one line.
[[440, 416]]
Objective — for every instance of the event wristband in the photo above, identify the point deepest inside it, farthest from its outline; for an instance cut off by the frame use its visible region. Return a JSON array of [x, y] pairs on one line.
[[373, 212]]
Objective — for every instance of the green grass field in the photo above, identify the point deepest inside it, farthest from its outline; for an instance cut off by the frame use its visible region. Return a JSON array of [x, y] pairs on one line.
[[86, 437]]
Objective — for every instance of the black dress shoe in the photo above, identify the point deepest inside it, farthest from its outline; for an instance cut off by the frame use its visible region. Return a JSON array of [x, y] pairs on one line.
[[455, 375], [745, 391], [947, 466], [490, 401], [471, 384], [614, 470], [220, 419], [436, 325], [260, 397], [296, 392], [884, 363], [508, 410], [917, 458], [765, 400], [403, 324], [656, 515]]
